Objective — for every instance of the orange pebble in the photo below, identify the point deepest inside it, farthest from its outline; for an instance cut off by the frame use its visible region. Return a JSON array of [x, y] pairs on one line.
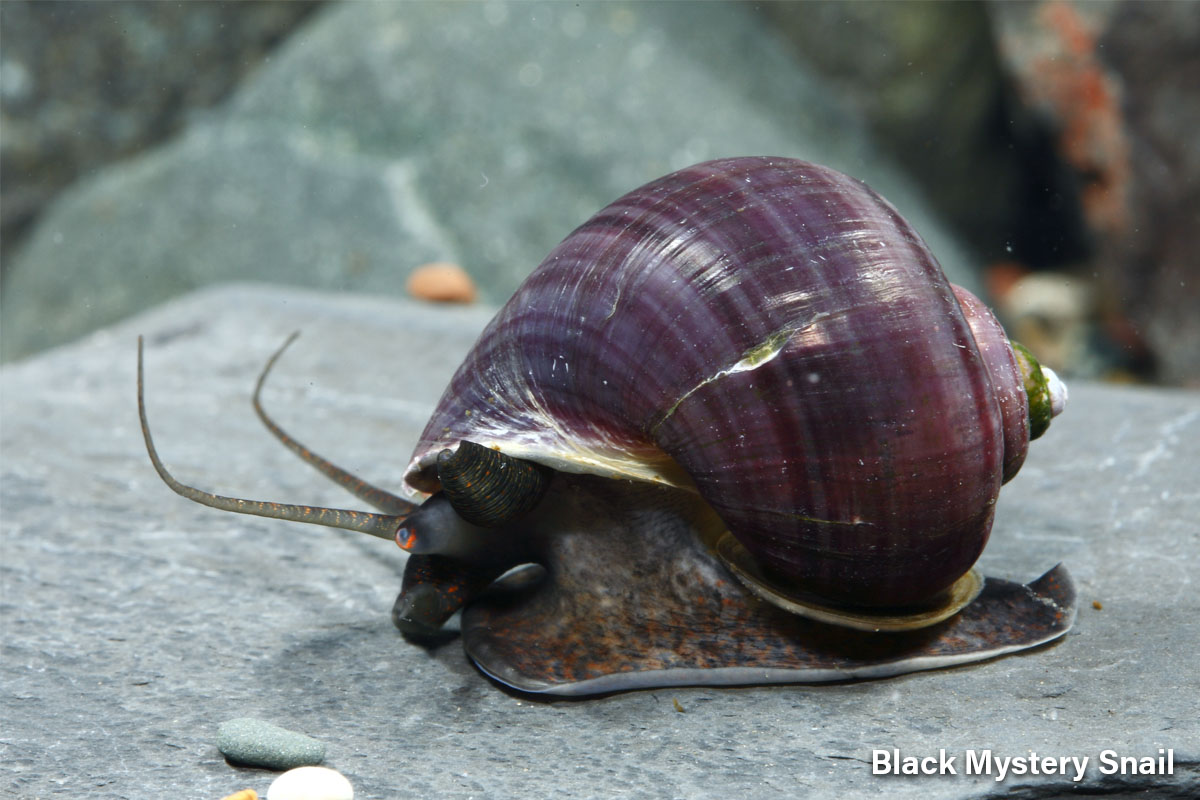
[[441, 282], [244, 794]]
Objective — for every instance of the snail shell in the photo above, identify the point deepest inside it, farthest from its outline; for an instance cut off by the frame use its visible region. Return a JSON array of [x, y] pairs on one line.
[[753, 369], [773, 336]]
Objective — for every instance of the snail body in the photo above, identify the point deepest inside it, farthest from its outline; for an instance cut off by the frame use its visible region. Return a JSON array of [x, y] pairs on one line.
[[742, 392]]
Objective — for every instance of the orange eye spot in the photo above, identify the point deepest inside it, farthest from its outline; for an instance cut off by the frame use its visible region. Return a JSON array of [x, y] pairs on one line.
[[405, 538]]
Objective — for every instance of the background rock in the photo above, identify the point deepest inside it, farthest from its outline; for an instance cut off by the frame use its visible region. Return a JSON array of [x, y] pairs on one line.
[[383, 136], [1118, 83], [83, 84], [135, 622], [1052, 135], [937, 97], [1153, 264]]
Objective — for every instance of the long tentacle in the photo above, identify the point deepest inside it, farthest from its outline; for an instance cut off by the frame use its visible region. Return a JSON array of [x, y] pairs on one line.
[[383, 500], [381, 525]]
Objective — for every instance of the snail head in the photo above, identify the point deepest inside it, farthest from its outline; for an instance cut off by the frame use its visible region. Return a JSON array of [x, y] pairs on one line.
[[482, 490]]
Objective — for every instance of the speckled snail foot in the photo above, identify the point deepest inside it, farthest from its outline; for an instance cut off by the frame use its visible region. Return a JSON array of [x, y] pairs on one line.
[[747, 431], [703, 628]]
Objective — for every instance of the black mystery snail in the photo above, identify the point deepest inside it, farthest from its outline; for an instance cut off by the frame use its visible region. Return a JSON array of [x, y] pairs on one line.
[[737, 428]]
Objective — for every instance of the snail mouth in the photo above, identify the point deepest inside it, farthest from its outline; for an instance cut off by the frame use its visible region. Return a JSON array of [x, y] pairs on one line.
[[941, 607]]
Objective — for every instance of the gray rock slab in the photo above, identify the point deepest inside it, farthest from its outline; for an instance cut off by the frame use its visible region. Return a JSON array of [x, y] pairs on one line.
[[135, 622], [386, 135]]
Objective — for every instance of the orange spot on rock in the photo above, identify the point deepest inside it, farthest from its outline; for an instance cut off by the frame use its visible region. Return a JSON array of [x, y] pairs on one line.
[[441, 282], [244, 794]]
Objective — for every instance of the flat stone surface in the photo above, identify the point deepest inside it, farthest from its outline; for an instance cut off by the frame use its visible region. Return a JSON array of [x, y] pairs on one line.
[[136, 622]]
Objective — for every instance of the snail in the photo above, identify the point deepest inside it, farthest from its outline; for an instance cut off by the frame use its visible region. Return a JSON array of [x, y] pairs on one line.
[[737, 428]]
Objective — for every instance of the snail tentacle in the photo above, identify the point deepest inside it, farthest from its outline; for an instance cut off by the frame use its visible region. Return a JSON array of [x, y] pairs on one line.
[[487, 487], [383, 526], [435, 588], [379, 498]]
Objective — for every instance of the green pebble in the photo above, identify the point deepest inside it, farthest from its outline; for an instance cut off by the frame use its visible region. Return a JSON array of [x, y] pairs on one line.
[[256, 743]]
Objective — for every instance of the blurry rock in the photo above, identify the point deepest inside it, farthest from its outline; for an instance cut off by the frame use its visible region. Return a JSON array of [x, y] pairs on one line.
[[1155, 265], [1052, 48], [389, 134], [1052, 314], [82, 84], [441, 282], [1119, 82], [1068, 322], [931, 85]]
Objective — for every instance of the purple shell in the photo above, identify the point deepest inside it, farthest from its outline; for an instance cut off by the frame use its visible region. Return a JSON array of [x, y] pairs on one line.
[[774, 334]]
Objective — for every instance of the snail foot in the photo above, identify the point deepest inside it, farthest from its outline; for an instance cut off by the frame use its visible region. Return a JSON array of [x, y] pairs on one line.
[[544, 639], [628, 597], [945, 605]]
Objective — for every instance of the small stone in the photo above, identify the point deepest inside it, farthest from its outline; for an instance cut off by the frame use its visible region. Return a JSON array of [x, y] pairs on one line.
[[1053, 315], [311, 783], [441, 282], [244, 794], [256, 743]]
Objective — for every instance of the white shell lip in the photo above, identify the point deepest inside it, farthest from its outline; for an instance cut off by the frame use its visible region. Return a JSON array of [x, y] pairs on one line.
[[649, 465], [1058, 391]]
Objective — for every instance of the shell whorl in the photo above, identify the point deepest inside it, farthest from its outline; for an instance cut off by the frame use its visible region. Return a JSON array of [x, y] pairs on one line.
[[773, 334]]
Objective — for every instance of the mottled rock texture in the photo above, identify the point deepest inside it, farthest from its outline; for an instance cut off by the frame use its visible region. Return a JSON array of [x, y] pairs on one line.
[[1118, 83], [933, 88]]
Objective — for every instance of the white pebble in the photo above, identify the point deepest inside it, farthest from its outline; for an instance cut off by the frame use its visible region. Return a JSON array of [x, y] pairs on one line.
[[311, 783]]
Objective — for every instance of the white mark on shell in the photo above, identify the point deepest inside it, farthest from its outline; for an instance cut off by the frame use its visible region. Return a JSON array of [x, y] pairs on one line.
[[755, 357], [613, 309]]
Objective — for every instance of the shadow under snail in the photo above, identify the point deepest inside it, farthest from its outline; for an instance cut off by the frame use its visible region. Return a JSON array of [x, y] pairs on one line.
[[746, 431]]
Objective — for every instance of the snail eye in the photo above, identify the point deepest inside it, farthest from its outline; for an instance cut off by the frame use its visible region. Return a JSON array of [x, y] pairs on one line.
[[406, 538]]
